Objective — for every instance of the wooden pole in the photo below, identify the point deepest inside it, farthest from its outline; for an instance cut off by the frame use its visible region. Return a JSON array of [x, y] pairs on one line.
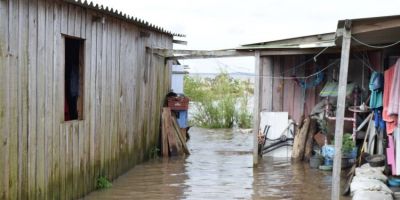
[[344, 65], [257, 102]]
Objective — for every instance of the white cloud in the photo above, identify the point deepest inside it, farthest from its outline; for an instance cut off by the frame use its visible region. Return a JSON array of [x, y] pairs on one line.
[[220, 24]]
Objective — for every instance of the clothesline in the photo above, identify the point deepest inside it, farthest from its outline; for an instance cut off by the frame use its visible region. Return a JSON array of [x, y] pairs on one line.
[[297, 77]]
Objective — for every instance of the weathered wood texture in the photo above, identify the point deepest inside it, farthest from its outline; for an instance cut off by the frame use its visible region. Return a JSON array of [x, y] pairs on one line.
[[312, 130], [300, 141], [43, 157], [285, 95]]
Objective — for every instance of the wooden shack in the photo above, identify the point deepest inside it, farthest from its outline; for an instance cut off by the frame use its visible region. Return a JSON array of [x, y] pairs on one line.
[[349, 55], [80, 96]]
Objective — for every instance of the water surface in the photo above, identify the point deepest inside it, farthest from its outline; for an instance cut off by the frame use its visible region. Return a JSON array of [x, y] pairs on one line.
[[220, 167]]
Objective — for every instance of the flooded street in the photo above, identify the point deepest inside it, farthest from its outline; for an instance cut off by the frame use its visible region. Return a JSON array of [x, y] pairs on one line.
[[220, 167]]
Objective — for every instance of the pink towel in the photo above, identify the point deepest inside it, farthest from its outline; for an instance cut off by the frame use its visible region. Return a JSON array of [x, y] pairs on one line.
[[391, 121], [394, 100]]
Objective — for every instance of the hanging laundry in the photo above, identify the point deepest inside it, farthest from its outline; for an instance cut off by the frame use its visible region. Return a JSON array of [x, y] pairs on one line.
[[391, 120], [376, 87], [394, 99], [379, 123]]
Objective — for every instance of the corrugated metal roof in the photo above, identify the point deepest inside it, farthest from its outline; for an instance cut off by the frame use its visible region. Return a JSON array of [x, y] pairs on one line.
[[124, 16]]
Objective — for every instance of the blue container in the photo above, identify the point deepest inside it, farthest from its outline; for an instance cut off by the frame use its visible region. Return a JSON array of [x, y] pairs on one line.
[[328, 161]]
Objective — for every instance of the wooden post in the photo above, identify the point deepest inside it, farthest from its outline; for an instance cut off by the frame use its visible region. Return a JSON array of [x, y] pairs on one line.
[[344, 65], [257, 102]]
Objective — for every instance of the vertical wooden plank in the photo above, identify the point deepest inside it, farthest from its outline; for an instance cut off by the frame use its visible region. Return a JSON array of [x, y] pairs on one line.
[[23, 101], [267, 83], [81, 159], [107, 99], [62, 161], [75, 160], [92, 97], [71, 19], [32, 98], [86, 32], [4, 29], [118, 96], [13, 70], [103, 91], [69, 187], [257, 105], [341, 101], [49, 84], [57, 106], [123, 100], [277, 86], [113, 94], [78, 21], [97, 138], [136, 100], [41, 76]]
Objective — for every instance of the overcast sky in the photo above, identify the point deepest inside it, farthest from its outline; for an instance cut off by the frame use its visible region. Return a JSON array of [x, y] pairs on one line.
[[220, 24]]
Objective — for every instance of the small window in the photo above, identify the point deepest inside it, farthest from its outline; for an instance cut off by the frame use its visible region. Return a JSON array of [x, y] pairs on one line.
[[74, 78]]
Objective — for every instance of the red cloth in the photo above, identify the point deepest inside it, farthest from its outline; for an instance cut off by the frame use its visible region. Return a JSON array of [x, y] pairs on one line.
[[391, 120]]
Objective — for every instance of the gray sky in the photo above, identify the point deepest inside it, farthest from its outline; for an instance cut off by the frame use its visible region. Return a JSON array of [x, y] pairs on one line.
[[220, 24]]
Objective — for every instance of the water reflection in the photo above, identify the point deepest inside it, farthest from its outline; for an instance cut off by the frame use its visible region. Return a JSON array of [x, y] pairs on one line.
[[220, 167]]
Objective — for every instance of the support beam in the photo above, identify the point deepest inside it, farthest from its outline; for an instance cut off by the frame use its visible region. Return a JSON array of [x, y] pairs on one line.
[[257, 105], [175, 54], [341, 101]]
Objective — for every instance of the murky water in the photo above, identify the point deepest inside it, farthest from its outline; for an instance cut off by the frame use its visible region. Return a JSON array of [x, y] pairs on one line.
[[220, 167]]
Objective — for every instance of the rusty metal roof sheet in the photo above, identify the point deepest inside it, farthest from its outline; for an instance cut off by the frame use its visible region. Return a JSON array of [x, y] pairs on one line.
[[124, 16]]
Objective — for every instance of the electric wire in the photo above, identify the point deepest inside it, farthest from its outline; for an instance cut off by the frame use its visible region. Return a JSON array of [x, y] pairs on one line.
[[374, 46]]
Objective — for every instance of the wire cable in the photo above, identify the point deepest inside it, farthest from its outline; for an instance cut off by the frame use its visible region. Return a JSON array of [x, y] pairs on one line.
[[374, 46]]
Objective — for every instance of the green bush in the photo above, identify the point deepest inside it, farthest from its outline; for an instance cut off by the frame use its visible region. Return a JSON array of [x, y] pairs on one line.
[[103, 183], [220, 102]]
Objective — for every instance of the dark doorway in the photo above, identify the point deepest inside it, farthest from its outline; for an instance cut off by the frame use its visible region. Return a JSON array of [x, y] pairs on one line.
[[73, 108]]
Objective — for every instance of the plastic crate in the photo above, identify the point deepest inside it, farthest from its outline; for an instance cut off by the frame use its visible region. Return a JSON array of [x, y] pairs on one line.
[[178, 103]]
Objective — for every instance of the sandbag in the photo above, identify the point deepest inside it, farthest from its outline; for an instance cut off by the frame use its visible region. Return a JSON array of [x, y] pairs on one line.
[[359, 184], [366, 171], [372, 195]]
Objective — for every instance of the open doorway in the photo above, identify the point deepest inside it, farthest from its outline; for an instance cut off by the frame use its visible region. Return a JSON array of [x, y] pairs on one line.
[[74, 79]]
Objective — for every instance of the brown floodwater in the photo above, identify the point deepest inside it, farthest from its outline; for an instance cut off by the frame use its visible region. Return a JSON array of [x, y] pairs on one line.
[[219, 167]]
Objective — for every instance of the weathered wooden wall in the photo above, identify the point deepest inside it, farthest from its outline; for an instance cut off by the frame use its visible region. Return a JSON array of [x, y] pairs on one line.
[[285, 95], [43, 157]]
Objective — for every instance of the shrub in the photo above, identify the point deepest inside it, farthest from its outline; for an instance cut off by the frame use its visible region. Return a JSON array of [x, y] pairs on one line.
[[103, 183], [219, 102]]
